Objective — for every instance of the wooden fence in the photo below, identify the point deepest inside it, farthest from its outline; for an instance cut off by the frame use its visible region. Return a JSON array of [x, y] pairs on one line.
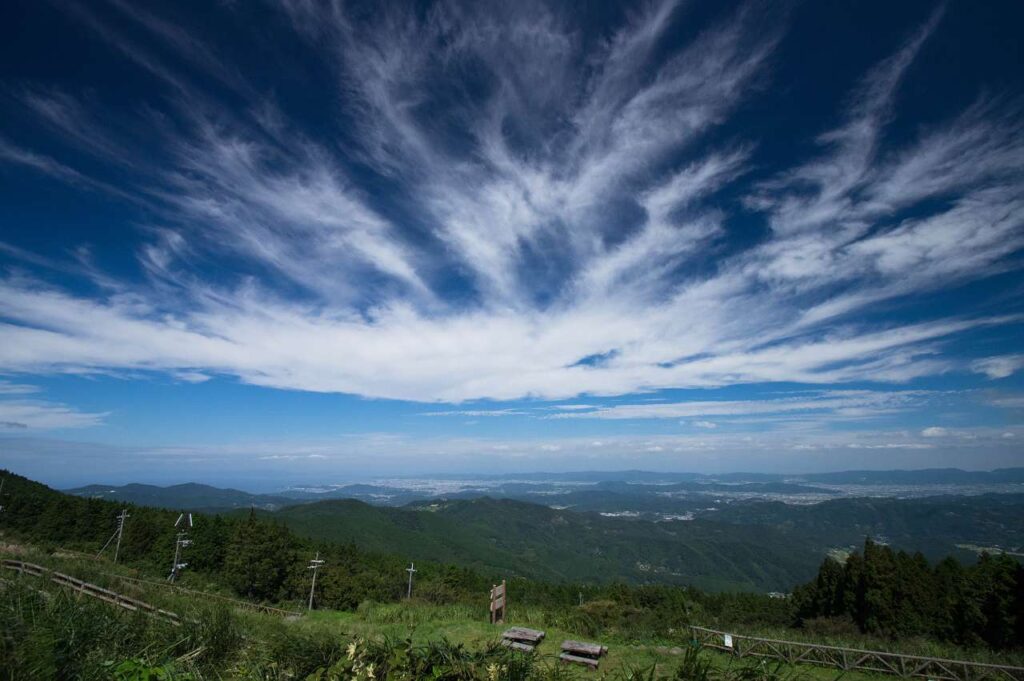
[[91, 590], [268, 609], [907, 666]]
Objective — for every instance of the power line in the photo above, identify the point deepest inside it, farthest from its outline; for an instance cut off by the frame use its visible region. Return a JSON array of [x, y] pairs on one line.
[[314, 565], [411, 569]]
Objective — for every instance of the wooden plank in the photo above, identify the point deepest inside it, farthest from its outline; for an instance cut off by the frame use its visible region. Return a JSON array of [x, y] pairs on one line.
[[22, 566], [523, 634], [576, 659], [517, 645], [498, 603], [583, 648], [92, 590]]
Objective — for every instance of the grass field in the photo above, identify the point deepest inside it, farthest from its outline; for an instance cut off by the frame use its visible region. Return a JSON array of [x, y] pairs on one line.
[[252, 643], [423, 622]]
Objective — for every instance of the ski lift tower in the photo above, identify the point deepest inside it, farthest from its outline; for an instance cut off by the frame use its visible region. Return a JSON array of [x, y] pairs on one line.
[[183, 524]]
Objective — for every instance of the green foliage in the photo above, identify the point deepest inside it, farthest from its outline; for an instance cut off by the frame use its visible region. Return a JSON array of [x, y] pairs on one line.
[[695, 665], [51, 635], [258, 557], [140, 670], [763, 670], [896, 594]]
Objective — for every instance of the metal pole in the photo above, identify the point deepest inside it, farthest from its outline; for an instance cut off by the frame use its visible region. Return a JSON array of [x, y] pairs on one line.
[[314, 565], [177, 554], [312, 588], [411, 569], [120, 530]]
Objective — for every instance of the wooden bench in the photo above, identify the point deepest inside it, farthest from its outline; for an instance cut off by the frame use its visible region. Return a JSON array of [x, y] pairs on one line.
[[578, 652], [521, 638]]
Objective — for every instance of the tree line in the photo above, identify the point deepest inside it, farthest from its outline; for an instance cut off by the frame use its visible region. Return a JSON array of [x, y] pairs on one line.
[[896, 594]]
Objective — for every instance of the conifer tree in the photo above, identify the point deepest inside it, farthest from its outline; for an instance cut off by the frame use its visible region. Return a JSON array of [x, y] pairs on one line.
[[258, 558]]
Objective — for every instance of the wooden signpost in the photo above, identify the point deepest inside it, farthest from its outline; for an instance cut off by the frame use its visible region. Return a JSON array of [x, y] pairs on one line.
[[498, 603]]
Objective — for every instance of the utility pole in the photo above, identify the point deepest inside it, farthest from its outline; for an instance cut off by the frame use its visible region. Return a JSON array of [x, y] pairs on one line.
[[411, 569], [117, 535], [120, 531], [182, 541], [2, 480], [314, 565]]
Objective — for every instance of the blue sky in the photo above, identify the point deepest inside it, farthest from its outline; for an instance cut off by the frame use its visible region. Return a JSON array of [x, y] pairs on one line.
[[270, 242]]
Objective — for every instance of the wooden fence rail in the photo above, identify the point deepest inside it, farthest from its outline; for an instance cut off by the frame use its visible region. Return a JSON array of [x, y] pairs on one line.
[[91, 590], [269, 609], [897, 664]]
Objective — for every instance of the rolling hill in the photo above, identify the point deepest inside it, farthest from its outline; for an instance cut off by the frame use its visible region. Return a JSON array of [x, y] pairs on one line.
[[544, 543], [189, 496]]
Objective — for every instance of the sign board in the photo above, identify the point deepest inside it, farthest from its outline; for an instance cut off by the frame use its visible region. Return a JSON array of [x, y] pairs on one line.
[[498, 603], [727, 640]]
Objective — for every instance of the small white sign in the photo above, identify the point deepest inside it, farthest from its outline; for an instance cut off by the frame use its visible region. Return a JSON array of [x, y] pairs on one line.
[[727, 640]]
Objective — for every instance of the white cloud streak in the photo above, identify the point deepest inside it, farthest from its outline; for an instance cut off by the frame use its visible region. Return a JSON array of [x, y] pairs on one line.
[[325, 285], [852, 403], [18, 415], [1002, 366]]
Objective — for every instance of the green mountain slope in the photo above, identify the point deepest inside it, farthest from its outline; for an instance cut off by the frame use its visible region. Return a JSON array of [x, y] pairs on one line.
[[544, 543], [932, 525]]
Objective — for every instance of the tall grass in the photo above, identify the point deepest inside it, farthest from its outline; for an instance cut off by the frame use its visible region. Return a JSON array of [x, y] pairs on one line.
[[48, 632]]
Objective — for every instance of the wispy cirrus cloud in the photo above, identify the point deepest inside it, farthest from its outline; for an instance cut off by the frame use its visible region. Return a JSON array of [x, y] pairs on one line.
[[8, 388], [476, 412], [833, 404], [486, 214], [20, 415], [21, 409]]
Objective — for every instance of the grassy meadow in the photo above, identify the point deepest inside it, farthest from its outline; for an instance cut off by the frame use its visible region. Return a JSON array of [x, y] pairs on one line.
[[52, 632]]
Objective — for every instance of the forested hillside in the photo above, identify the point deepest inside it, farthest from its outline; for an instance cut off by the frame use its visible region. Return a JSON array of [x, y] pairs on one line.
[[535, 541], [259, 559], [933, 525]]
